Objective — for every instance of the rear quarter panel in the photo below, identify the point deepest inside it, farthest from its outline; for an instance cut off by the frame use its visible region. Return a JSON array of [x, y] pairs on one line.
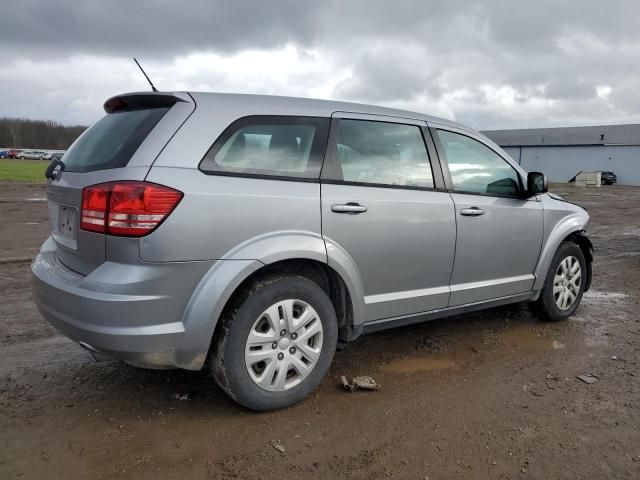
[[231, 217], [225, 217]]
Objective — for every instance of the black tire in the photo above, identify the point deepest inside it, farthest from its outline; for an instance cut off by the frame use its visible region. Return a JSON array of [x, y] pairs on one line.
[[228, 356], [545, 307]]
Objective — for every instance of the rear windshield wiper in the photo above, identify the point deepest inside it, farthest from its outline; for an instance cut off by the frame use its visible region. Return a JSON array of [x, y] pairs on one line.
[[50, 172]]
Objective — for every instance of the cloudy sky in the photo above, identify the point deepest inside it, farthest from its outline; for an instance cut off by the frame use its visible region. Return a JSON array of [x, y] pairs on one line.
[[491, 64]]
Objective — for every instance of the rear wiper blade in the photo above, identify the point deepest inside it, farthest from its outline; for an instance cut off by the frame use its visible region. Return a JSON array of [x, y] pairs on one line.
[[50, 172]]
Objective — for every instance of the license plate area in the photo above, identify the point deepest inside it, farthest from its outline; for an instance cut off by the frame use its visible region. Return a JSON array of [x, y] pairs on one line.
[[67, 221], [65, 224]]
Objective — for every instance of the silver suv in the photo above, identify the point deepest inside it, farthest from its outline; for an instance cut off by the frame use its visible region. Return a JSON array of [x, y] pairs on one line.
[[254, 233]]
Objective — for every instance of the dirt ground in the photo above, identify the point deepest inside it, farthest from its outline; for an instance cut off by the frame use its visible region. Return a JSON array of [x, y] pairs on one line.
[[484, 395]]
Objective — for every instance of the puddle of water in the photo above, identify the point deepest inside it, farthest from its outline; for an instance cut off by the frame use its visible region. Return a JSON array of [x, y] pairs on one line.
[[417, 365], [530, 340]]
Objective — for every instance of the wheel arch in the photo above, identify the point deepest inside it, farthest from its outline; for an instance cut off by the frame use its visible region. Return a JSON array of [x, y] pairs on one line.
[[581, 239], [571, 228], [320, 273], [300, 254]]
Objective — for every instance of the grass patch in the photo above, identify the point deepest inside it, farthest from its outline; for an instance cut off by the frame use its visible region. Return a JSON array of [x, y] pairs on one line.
[[23, 170]]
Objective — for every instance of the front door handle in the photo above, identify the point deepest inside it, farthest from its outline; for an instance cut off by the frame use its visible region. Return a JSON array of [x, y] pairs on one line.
[[472, 212], [351, 208]]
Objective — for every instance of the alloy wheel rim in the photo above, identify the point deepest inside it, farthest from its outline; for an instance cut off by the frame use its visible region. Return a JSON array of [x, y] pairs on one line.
[[283, 345], [566, 283]]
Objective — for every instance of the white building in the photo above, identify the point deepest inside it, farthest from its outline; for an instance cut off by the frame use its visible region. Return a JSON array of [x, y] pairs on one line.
[[563, 152]]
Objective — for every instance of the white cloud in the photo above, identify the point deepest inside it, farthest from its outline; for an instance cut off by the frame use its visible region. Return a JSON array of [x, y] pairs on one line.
[[488, 64], [73, 90]]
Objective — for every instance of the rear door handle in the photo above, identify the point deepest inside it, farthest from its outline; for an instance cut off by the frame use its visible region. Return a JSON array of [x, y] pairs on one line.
[[472, 212], [350, 208]]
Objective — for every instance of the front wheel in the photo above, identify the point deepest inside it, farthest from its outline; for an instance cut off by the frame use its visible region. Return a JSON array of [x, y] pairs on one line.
[[564, 285], [276, 342]]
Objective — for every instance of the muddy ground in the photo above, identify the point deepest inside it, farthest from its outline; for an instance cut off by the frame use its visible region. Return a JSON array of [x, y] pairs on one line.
[[484, 395]]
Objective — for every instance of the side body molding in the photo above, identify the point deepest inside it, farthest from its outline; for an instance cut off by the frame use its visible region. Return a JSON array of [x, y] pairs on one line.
[[217, 286]]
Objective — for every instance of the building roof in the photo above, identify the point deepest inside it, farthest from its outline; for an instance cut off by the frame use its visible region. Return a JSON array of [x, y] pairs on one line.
[[565, 136]]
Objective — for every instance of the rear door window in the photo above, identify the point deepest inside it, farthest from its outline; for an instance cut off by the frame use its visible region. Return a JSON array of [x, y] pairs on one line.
[[112, 141], [280, 146], [380, 153]]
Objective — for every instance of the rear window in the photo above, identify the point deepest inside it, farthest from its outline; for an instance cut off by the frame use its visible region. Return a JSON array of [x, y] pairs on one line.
[[281, 146], [113, 140]]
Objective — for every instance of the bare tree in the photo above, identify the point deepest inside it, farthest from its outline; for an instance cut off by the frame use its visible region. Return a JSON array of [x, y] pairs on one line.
[[45, 134], [13, 125]]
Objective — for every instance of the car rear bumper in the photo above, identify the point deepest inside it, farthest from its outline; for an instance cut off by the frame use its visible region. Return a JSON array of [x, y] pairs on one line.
[[127, 312]]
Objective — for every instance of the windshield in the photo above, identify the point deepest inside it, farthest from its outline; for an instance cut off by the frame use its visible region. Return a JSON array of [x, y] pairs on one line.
[[112, 141]]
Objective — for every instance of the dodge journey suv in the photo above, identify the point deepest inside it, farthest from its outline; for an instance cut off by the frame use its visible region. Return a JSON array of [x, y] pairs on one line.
[[253, 233]]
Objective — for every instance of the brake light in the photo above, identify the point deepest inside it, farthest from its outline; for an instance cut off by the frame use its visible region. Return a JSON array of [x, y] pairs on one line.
[[127, 208]]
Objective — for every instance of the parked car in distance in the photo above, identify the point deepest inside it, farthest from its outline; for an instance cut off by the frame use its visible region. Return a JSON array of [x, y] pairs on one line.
[[55, 156], [608, 178], [258, 231], [13, 154], [31, 155], [4, 153]]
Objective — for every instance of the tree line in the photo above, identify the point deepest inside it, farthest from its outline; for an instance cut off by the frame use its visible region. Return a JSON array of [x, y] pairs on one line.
[[37, 134]]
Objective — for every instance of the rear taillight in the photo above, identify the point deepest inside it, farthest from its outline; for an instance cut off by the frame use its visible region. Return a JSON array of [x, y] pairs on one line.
[[127, 208]]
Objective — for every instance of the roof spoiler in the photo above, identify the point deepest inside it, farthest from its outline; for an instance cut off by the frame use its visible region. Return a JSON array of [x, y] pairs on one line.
[[141, 100]]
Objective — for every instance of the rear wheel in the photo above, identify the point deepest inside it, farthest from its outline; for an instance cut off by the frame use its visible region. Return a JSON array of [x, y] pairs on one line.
[[276, 343], [564, 285]]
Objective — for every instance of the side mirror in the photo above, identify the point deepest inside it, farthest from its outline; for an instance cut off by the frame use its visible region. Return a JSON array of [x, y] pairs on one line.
[[537, 183]]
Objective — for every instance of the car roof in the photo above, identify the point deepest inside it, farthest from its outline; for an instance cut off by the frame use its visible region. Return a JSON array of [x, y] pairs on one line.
[[306, 106], [248, 104]]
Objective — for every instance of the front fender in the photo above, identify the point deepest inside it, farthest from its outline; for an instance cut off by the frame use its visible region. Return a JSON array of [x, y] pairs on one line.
[[572, 223]]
